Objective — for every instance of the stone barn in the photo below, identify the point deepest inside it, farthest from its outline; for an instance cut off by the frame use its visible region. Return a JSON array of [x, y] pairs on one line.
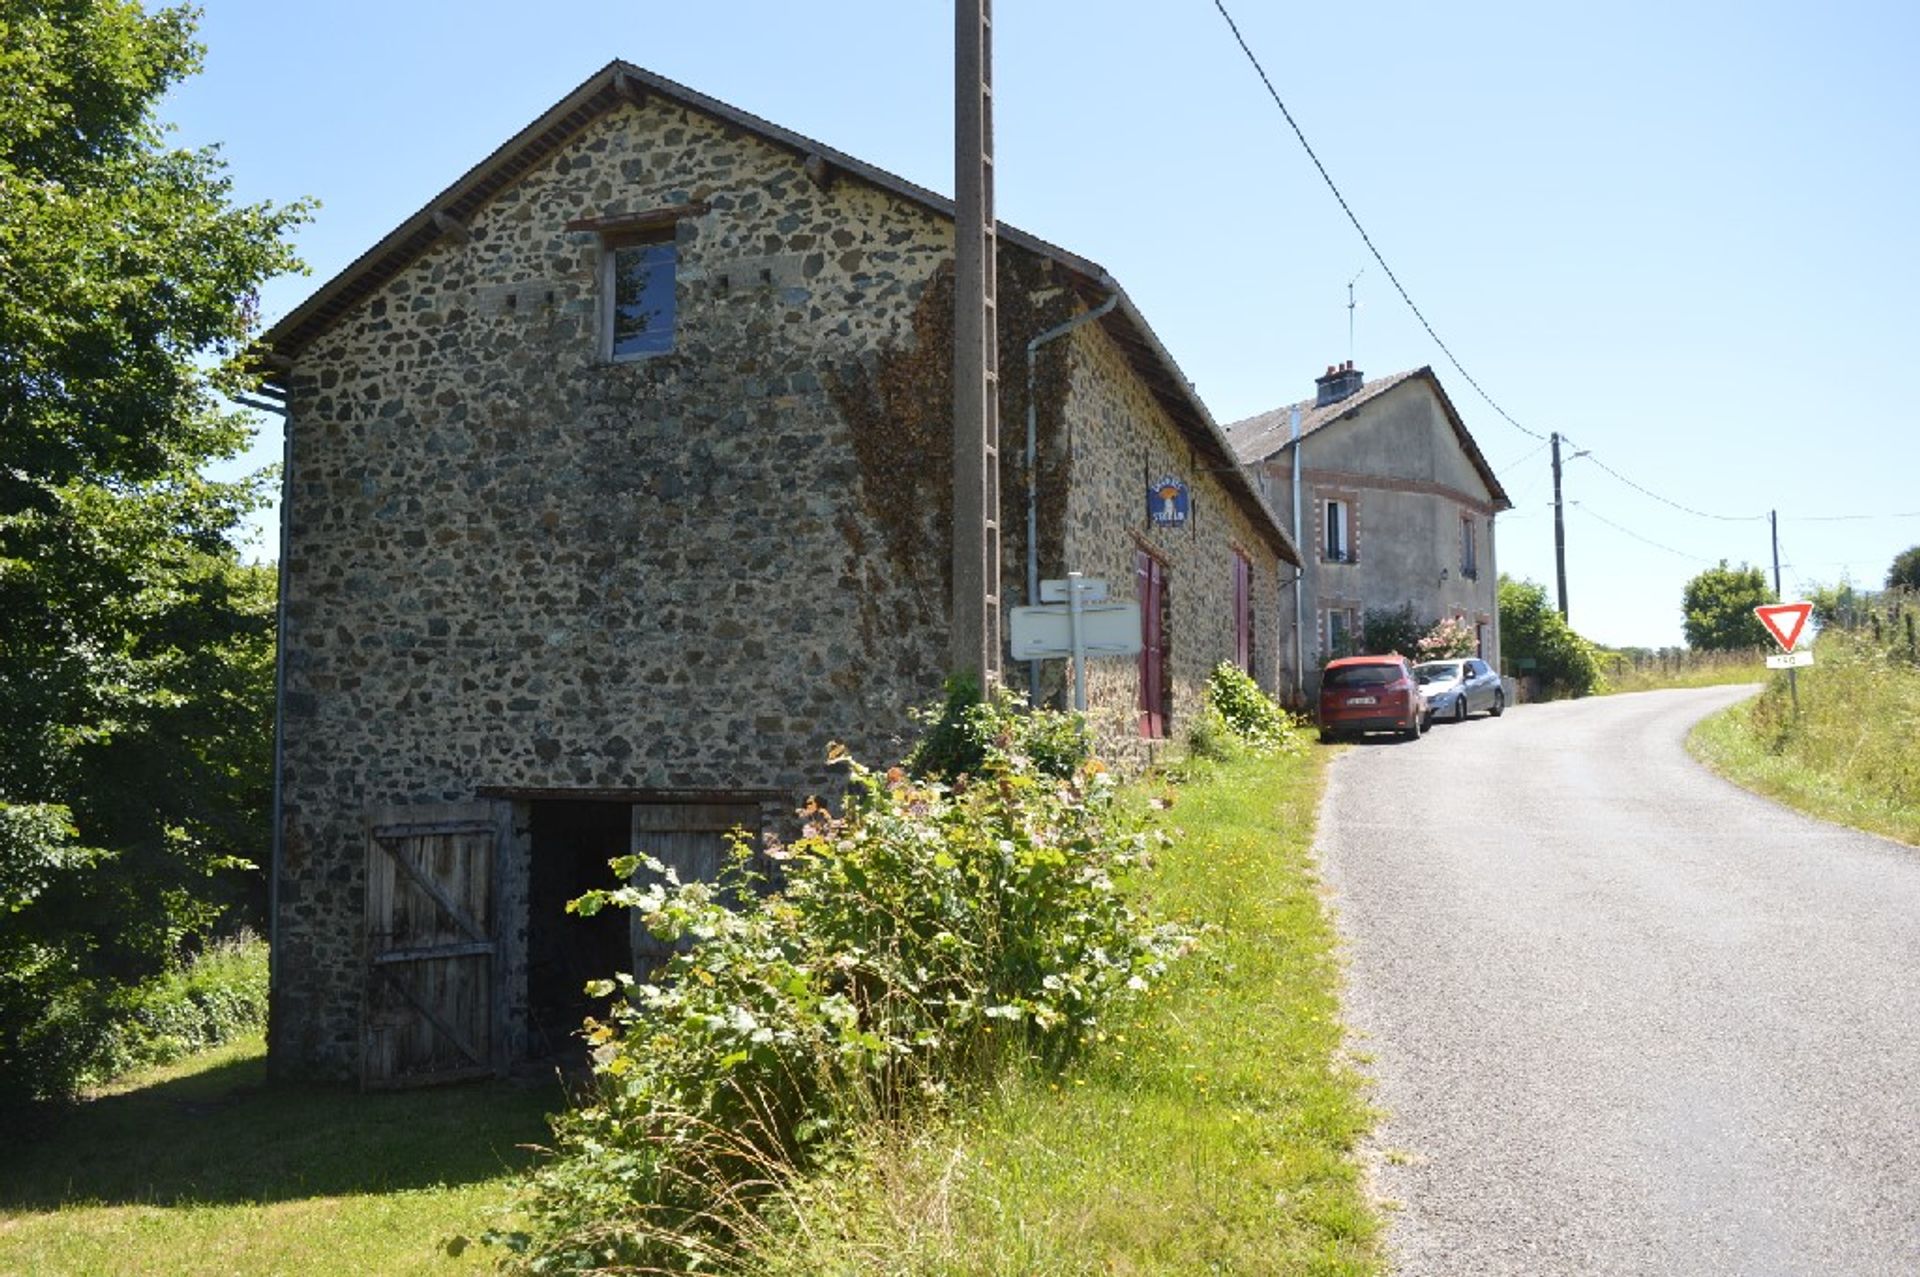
[[618, 487]]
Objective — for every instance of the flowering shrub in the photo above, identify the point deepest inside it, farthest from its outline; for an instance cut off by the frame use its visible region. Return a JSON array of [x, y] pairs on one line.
[[1449, 639], [921, 939]]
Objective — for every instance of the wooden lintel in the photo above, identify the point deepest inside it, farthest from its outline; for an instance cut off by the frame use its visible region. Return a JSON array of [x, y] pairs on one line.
[[648, 220], [430, 828], [818, 170], [450, 226], [636, 796]]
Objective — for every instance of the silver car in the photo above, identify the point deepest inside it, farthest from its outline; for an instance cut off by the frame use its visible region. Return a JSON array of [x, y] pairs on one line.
[[1458, 688]]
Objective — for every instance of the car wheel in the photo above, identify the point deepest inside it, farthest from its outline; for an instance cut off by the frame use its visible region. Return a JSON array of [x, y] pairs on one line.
[[1460, 710], [1327, 737], [1499, 704]]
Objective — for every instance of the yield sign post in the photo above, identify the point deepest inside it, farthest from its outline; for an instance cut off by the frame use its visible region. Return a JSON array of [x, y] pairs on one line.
[[1785, 621]]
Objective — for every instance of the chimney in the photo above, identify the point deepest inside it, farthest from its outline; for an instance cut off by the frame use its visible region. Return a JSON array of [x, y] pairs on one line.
[[1339, 381]]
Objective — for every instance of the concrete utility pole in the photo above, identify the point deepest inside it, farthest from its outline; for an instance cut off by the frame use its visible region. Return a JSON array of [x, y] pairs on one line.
[[976, 381], [1559, 529]]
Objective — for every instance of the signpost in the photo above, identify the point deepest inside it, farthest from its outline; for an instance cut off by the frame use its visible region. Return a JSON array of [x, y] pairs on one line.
[[1080, 627], [1787, 622]]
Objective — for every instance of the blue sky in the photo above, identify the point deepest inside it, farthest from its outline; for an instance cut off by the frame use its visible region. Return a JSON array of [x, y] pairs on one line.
[[1683, 236]]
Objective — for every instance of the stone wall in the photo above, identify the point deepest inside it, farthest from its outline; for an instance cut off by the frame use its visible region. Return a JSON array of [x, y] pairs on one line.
[[1122, 441], [515, 567]]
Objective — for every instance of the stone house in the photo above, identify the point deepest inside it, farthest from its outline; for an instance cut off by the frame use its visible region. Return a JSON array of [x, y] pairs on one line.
[[618, 487], [1395, 508]]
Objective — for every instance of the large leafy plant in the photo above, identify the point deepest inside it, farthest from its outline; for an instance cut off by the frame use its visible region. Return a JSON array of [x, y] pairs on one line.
[[928, 935]]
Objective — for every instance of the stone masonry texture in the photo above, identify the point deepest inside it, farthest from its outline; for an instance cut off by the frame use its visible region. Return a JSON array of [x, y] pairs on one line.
[[516, 566]]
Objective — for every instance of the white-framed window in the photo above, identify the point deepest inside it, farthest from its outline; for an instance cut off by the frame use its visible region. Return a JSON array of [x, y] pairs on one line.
[[1469, 549], [1343, 631], [1339, 531], [636, 291]]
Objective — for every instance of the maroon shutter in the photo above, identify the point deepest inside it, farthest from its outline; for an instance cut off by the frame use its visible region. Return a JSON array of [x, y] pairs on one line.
[[1242, 611], [1147, 581]]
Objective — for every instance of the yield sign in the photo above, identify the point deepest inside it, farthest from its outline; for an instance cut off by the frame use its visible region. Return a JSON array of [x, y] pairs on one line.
[[1784, 621]]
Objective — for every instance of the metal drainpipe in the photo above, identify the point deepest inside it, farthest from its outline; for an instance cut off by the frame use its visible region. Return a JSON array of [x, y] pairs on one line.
[[279, 677], [1299, 579], [1033, 478]]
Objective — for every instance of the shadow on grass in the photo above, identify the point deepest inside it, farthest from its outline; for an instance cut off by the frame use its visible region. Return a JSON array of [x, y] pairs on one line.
[[222, 1135]]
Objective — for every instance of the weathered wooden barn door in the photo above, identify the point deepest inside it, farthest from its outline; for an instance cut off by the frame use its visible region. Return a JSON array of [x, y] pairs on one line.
[[691, 838], [431, 948]]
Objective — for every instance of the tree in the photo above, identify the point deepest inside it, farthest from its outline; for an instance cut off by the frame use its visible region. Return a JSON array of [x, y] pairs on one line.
[[1718, 606], [135, 648], [1532, 631], [1392, 629], [1905, 572]]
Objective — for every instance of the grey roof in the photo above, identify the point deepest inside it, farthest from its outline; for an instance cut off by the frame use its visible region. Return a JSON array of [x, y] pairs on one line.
[[620, 82], [1267, 434]]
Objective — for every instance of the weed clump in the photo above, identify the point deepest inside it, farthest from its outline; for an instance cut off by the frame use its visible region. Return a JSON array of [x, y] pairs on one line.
[[1237, 718], [931, 934]]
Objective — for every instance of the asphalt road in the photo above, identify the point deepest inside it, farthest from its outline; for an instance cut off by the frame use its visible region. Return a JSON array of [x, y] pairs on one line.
[[1623, 1016]]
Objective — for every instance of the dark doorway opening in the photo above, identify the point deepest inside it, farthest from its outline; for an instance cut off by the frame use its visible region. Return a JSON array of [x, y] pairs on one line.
[[571, 845]]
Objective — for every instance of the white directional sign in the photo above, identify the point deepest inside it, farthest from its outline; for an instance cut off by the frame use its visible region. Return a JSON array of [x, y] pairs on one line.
[[1790, 660], [1106, 629], [1092, 590]]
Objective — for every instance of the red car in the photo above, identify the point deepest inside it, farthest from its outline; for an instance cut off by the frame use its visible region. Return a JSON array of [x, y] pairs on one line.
[[1361, 694]]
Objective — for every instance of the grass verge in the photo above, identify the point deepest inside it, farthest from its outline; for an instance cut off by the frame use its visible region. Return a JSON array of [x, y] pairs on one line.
[[1212, 1130], [200, 1167], [1850, 755], [1680, 669]]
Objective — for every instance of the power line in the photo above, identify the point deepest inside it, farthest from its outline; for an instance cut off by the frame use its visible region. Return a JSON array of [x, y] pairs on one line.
[[1529, 455], [1643, 540], [1364, 237], [1683, 508], [1406, 297], [1848, 518]]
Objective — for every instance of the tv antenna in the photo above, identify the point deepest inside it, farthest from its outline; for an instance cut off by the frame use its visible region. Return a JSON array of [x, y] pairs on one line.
[[1351, 307]]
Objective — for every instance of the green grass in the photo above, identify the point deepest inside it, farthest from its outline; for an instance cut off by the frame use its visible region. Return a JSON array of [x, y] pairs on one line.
[[1211, 1132], [1680, 669], [200, 1167], [1852, 752]]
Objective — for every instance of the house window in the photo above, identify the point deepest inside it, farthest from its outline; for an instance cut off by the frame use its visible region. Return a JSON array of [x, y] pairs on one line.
[[1243, 611], [1339, 528], [1150, 585], [638, 297], [1343, 631], [1469, 550]]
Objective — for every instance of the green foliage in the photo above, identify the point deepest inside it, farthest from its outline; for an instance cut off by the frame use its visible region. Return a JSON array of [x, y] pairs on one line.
[[927, 936], [1165, 1152], [1237, 717], [1904, 572], [1384, 630], [220, 996], [1718, 605], [1849, 754], [1449, 639], [135, 649], [1531, 629], [968, 730], [1838, 604]]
